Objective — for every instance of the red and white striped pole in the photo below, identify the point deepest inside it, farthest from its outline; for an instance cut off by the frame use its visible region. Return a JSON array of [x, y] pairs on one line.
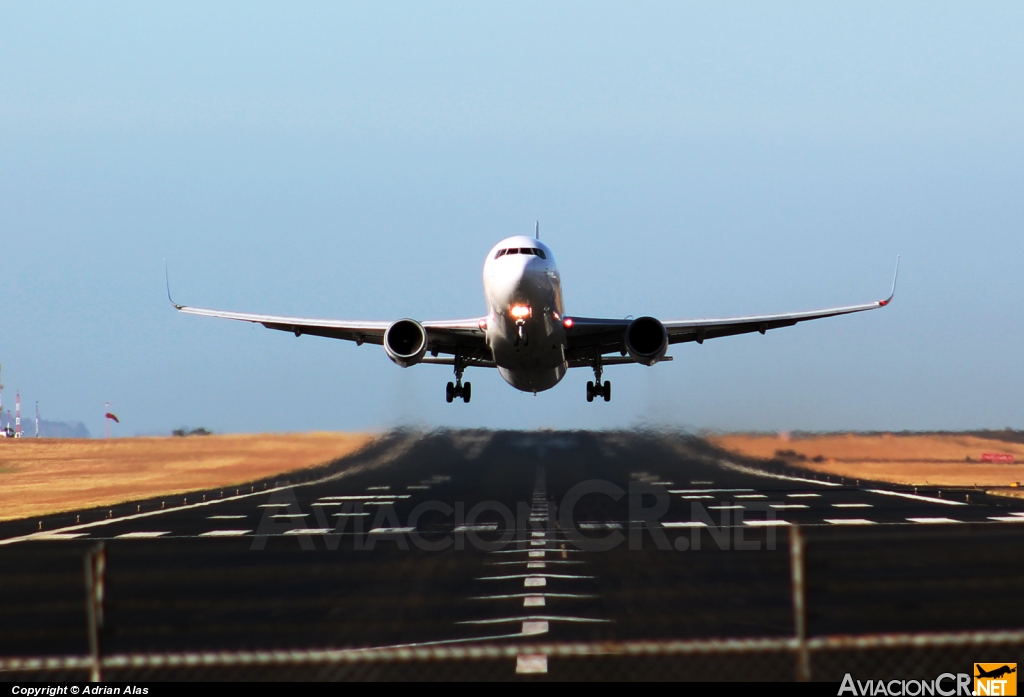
[[106, 417]]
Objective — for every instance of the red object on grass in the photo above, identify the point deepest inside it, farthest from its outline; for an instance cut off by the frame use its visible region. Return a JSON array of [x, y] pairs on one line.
[[996, 457]]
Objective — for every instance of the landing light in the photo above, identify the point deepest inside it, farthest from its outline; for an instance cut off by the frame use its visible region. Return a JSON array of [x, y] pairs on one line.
[[567, 323], [520, 311]]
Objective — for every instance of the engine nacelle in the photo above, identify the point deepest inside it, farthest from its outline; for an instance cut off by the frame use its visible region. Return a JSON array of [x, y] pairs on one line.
[[405, 342], [646, 340]]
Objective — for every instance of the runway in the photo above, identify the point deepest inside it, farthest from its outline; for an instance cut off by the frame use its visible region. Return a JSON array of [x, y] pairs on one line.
[[464, 536]]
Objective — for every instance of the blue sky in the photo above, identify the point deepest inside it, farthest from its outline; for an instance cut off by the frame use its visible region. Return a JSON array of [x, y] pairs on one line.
[[358, 160]]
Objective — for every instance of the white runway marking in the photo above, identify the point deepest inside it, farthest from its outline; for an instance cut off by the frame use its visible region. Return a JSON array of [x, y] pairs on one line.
[[684, 524], [536, 554], [849, 521], [729, 507], [929, 521], [225, 517], [225, 533], [541, 565], [533, 601], [534, 582], [141, 535], [852, 505], [62, 536], [272, 505], [771, 475], [706, 491], [364, 497], [531, 664], [390, 531], [348, 515], [697, 497], [532, 618], [530, 628], [789, 505], [600, 526], [537, 543], [513, 596], [766, 523], [750, 496], [1020, 513], [536, 534], [803, 496], [484, 527], [278, 516], [915, 497], [307, 531], [1007, 518]]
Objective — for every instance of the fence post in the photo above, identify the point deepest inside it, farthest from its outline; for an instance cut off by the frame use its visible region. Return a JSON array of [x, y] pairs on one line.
[[95, 580], [796, 557]]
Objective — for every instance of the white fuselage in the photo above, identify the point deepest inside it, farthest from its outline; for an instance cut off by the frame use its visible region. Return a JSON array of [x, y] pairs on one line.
[[525, 314]]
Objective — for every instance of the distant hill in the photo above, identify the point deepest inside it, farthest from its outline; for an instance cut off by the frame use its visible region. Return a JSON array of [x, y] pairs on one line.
[[55, 429]]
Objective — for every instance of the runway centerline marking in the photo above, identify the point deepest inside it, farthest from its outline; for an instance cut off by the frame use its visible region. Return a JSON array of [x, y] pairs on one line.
[[849, 521], [141, 535], [706, 491], [788, 505], [225, 517], [534, 618], [915, 497], [929, 521], [853, 505], [766, 523], [803, 496]]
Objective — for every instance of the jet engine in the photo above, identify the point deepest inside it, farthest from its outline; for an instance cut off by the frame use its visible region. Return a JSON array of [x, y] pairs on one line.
[[405, 342], [646, 340]]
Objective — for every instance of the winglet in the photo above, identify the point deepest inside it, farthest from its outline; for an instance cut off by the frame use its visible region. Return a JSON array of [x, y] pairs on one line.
[[167, 280], [883, 303]]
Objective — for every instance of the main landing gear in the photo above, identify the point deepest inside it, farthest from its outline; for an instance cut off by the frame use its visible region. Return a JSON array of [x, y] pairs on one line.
[[451, 391], [600, 389], [458, 390]]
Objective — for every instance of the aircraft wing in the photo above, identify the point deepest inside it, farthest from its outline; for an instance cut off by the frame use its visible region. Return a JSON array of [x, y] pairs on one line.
[[464, 335], [588, 335]]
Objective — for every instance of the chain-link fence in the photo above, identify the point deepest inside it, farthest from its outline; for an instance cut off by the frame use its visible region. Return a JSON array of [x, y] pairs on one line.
[[908, 657]]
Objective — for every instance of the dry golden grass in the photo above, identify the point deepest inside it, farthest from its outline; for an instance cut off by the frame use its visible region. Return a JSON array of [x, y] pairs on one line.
[[914, 460], [44, 476]]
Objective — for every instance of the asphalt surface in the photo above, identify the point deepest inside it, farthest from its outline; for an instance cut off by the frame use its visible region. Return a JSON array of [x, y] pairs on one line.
[[514, 537]]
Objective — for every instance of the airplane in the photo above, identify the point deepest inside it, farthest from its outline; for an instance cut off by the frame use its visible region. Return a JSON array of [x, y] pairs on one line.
[[995, 673], [527, 334]]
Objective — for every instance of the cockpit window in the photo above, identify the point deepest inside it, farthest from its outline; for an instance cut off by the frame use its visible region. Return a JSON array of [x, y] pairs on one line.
[[521, 250]]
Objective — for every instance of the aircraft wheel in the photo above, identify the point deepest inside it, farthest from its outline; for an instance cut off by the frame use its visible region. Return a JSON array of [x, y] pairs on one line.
[[449, 393], [466, 391], [607, 390], [590, 391]]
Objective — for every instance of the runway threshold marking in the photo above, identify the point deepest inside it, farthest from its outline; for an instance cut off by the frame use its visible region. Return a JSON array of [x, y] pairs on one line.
[[915, 497], [931, 521], [849, 521]]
